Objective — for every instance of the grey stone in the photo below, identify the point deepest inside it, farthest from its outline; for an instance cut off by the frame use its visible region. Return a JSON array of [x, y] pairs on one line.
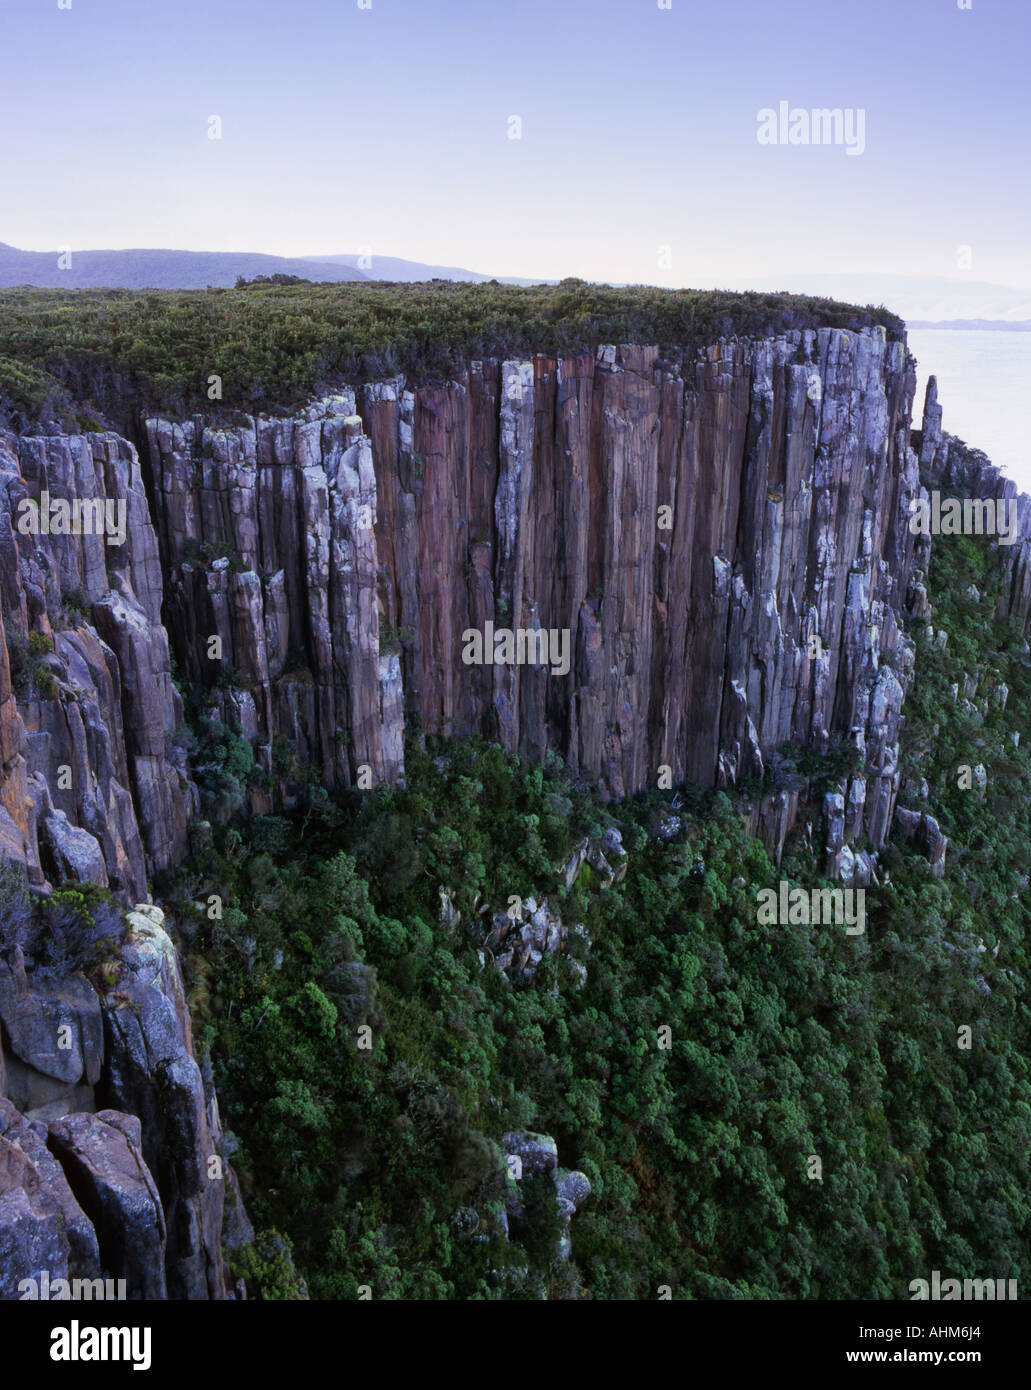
[[42, 1226], [75, 853], [538, 1153], [101, 1154]]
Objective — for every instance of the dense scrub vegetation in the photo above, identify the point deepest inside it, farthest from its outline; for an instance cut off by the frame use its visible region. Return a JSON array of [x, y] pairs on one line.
[[275, 345], [787, 1041]]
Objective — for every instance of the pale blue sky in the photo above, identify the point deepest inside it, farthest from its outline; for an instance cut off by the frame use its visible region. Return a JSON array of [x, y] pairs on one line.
[[388, 128]]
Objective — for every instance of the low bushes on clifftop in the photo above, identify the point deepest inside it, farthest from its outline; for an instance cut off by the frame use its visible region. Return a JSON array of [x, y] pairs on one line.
[[274, 346]]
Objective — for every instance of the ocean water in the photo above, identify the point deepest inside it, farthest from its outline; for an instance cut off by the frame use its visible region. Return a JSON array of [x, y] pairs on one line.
[[984, 389]]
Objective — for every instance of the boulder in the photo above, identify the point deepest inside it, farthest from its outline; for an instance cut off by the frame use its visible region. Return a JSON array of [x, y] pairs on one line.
[[571, 1186], [537, 1153], [926, 835], [846, 864], [55, 1038], [353, 989], [76, 855]]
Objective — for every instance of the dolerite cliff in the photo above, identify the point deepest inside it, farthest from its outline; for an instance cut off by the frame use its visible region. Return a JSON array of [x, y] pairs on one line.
[[724, 536], [91, 778], [760, 607]]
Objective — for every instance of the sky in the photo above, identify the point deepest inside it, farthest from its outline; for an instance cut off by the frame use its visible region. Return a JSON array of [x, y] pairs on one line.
[[388, 128]]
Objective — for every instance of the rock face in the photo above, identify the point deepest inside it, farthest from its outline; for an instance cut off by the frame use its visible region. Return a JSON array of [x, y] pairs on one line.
[[724, 540], [92, 787], [148, 1179], [102, 1157], [292, 600], [529, 494], [968, 473], [691, 644], [42, 1226], [721, 538], [55, 1043], [152, 1073]]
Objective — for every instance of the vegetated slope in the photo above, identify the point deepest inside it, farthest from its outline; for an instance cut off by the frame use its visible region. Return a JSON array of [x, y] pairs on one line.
[[788, 1041], [113, 351]]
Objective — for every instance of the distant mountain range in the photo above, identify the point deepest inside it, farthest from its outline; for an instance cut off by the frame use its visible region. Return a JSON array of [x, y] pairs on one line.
[[393, 268], [193, 270]]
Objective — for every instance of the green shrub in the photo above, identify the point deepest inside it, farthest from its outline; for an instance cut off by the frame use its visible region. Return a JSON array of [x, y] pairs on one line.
[[76, 602], [277, 344]]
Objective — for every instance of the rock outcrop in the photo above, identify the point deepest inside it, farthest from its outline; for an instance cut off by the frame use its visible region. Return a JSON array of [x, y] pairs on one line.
[[722, 538], [42, 1226], [530, 1155], [926, 834], [93, 784], [101, 1155], [965, 472], [153, 1074], [105, 1100]]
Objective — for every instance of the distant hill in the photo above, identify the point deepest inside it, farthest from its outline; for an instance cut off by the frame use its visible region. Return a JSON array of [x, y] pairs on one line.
[[155, 269], [402, 271]]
